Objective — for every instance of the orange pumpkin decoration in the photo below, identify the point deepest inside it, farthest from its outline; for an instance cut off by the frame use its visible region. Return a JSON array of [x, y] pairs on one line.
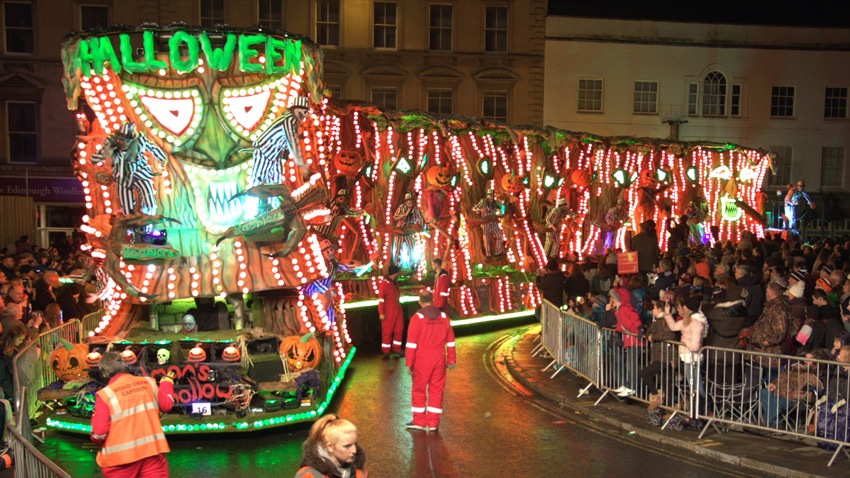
[[512, 184], [128, 356], [231, 354], [68, 360], [348, 162], [439, 177], [197, 354], [581, 178], [93, 358], [301, 352]]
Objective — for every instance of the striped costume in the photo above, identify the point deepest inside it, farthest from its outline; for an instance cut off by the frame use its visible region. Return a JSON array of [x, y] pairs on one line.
[[281, 136], [338, 213], [132, 172], [325, 287], [404, 245], [554, 219], [494, 238], [614, 218]]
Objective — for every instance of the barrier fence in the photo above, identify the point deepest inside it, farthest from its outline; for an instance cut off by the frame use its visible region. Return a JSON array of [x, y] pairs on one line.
[[28, 461], [91, 321], [722, 388]]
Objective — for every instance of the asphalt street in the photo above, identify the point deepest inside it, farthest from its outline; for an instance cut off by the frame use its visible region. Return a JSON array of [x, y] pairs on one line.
[[492, 426]]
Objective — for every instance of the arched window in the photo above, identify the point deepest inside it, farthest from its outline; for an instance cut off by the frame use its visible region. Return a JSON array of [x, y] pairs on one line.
[[714, 94]]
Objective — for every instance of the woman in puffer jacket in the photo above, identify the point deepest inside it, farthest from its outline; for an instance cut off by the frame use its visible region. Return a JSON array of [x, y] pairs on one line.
[[693, 327]]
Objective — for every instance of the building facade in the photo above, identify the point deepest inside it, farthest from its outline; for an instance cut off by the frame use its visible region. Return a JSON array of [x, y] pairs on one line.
[[783, 89], [480, 58]]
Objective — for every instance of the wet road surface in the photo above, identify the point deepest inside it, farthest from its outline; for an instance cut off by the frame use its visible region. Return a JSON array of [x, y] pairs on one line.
[[490, 427]]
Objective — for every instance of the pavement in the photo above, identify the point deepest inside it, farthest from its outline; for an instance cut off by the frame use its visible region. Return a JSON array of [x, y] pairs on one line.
[[781, 456]]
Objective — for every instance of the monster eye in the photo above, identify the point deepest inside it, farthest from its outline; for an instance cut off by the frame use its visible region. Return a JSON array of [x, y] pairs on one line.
[[172, 115], [247, 111]]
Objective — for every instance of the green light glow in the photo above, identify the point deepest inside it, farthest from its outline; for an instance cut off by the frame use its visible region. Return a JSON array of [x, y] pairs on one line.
[[548, 181], [403, 165], [661, 174], [619, 176], [691, 174], [484, 166], [374, 303], [492, 318]]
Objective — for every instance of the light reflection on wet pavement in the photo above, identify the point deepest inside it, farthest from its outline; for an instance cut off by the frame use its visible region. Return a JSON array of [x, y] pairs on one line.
[[486, 431]]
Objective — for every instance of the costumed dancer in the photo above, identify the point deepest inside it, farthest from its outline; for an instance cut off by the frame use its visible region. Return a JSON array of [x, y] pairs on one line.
[[430, 349], [339, 211], [130, 167], [390, 313], [407, 216], [281, 136], [126, 421], [696, 213], [614, 219], [442, 281], [553, 234], [494, 238], [794, 200], [325, 286]]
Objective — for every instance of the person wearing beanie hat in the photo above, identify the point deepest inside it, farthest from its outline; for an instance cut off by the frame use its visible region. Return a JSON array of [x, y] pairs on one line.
[[825, 271], [824, 284], [797, 276], [390, 313]]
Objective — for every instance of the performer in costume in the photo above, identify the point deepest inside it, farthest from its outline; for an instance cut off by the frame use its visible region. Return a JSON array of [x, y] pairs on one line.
[[554, 219], [325, 286], [696, 213], [795, 201], [494, 237], [339, 211], [130, 167], [281, 136], [407, 216], [614, 219]]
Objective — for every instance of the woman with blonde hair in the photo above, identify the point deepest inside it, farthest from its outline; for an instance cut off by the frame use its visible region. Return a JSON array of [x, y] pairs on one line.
[[331, 451]]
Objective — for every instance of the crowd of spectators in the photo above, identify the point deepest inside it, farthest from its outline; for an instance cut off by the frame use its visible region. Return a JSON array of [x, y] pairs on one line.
[[763, 295]]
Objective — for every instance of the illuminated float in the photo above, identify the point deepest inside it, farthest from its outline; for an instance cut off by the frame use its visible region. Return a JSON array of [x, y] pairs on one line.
[[236, 213]]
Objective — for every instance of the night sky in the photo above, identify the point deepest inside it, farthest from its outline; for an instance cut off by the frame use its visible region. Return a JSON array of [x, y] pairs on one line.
[[818, 13]]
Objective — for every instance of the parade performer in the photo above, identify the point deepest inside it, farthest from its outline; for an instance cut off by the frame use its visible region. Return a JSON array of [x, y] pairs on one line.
[[494, 238], [696, 213], [553, 222], [281, 136], [614, 219], [430, 348], [794, 213], [441, 285], [126, 421], [130, 167], [389, 311], [410, 219], [331, 450], [339, 211], [324, 287]]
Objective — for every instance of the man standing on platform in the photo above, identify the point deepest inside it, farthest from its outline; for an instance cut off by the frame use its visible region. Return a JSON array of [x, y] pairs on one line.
[[390, 313], [554, 219], [614, 219], [494, 237], [126, 421], [794, 212], [430, 349], [441, 285]]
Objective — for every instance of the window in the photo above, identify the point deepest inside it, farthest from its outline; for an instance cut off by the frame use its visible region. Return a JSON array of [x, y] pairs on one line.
[[782, 157], [735, 107], [385, 24], [835, 105], [94, 16], [385, 96], [212, 12], [23, 135], [17, 21], [335, 91], [271, 14], [693, 99], [327, 22], [496, 29], [590, 96], [495, 105], [440, 29], [714, 94], [646, 97], [832, 167], [440, 101], [782, 102]]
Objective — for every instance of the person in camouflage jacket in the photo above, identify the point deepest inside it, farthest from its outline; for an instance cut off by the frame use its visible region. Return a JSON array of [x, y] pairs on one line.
[[770, 331]]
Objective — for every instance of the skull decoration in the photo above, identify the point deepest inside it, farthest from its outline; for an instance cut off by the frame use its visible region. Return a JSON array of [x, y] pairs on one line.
[[163, 356]]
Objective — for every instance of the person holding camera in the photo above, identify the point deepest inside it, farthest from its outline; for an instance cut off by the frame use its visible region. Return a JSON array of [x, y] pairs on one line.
[[657, 334]]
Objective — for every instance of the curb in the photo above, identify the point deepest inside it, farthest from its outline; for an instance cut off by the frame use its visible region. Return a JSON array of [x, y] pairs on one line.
[[565, 402]]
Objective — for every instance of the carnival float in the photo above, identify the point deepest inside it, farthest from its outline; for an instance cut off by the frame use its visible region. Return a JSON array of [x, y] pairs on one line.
[[236, 212]]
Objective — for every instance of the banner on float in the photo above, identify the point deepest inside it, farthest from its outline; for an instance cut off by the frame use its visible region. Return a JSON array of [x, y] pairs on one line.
[[627, 262]]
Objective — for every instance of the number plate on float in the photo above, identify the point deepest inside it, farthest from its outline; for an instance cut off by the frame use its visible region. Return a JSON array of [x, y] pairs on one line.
[[201, 408]]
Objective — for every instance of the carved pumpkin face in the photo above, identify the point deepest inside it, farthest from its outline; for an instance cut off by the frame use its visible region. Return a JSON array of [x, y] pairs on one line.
[[301, 352], [231, 354], [93, 358], [197, 354], [128, 356], [348, 162], [512, 184], [581, 178], [439, 177], [68, 362]]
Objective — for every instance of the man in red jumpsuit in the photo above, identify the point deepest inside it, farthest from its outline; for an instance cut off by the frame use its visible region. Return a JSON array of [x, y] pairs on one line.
[[126, 421], [389, 310], [441, 285], [430, 342]]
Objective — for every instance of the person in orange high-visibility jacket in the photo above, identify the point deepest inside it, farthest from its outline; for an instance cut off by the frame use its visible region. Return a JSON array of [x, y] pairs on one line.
[[441, 285], [126, 421], [389, 311], [430, 349]]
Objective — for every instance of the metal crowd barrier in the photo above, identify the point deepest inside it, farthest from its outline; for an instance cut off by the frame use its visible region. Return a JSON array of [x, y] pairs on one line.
[[90, 322], [28, 461], [776, 394], [32, 365]]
